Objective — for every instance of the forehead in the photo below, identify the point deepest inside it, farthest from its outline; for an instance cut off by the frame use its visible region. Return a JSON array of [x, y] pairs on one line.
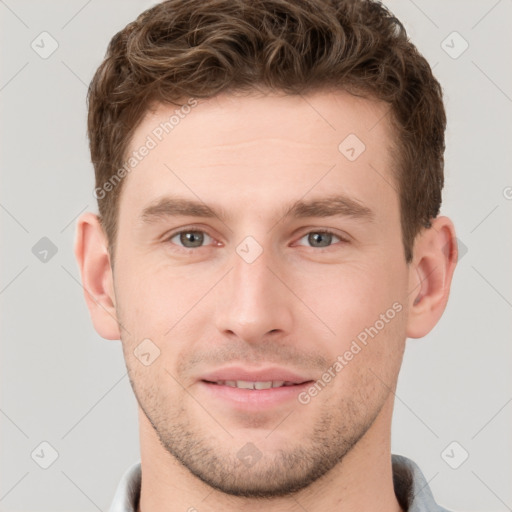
[[233, 118], [264, 147]]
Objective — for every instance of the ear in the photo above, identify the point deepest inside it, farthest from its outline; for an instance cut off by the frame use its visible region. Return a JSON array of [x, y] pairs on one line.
[[430, 276], [91, 253]]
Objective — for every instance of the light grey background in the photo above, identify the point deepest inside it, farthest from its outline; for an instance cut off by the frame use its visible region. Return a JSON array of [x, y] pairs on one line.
[[64, 385]]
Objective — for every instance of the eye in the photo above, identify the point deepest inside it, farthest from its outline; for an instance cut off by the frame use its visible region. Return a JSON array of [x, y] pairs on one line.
[[321, 239], [190, 239], [195, 238]]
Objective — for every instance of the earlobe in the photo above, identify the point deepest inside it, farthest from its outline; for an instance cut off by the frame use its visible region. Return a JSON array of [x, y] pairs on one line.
[[430, 277], [91, 252]]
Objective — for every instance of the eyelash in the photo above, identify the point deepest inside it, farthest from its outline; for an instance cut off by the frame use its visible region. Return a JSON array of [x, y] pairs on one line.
[[324, 231]]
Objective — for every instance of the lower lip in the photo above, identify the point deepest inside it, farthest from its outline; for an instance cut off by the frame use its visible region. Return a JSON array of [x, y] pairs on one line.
[[254, 398]]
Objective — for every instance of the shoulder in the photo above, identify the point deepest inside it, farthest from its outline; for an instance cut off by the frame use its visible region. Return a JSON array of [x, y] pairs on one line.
[[411, 488]]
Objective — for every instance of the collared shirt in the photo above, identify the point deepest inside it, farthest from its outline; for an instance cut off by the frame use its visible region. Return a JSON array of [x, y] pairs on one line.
[[411, 488]]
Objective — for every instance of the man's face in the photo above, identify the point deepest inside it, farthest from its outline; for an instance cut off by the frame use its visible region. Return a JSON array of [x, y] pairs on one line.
[[255, 294]]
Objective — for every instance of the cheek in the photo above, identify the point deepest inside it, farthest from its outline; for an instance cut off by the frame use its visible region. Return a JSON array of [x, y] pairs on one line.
[[152, 299], [167, 307], [350, 296], [363, 304]]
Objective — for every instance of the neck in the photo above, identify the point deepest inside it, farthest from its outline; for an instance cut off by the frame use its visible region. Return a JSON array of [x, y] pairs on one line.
[[363, 480]]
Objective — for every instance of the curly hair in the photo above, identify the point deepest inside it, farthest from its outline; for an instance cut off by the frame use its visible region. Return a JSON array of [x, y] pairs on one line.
[[200, 48]]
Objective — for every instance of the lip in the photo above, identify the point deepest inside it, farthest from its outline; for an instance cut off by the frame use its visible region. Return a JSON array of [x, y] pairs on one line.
[[261, 375], [253, 400]]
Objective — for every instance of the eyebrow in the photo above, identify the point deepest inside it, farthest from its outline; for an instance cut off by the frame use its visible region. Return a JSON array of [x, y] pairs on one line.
[[331, 206]]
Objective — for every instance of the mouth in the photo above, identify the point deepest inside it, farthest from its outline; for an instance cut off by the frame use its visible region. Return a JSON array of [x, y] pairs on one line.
[[255, 385], [253, 390], [252, 378]]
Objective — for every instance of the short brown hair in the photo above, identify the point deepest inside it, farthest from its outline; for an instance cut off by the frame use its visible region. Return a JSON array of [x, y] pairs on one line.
[[200, 48]]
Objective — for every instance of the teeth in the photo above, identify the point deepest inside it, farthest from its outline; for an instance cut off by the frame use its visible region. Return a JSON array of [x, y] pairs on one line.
[[244, 384]]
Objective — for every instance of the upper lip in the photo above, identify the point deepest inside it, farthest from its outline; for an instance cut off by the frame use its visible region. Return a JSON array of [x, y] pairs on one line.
[[261, 375]]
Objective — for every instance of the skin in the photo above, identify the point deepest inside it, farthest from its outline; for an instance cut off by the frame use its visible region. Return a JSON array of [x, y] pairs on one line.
[[297, 306]]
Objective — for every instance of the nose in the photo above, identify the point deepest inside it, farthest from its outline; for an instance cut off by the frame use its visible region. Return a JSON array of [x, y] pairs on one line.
[[254, 302]]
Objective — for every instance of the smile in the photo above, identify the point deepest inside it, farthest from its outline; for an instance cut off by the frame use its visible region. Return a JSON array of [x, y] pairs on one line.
[[244, 384]]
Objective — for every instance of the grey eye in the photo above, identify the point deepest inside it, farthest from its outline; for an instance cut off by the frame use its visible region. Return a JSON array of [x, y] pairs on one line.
[[320, 238], [190, 239]]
